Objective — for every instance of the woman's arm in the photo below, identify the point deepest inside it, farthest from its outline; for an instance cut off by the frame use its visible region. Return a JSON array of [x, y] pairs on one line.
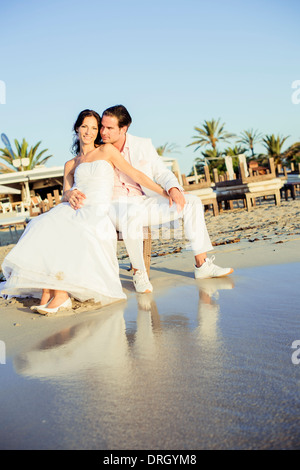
[[139, 177], [68, 180], [74, 197]]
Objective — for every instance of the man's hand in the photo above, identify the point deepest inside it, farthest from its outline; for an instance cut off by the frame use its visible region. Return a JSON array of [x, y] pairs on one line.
[[175, 195], [75, 198]]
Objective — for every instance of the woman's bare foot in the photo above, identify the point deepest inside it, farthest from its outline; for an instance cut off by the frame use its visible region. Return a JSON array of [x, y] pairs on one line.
[[46, 296]]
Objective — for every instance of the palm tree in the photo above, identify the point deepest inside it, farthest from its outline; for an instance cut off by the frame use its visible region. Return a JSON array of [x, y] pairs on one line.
[[210, 154], [166, 149], [211, 133], [233, 151], [249, 138], [274, 145], [34, 158], [211, 157], [292, 154]]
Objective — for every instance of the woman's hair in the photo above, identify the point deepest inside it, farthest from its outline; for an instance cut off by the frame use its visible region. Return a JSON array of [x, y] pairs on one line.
[[120, 112], [85, 113]]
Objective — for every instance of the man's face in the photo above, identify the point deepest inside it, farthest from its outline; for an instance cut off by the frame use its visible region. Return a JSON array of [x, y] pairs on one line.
[[110, 131]]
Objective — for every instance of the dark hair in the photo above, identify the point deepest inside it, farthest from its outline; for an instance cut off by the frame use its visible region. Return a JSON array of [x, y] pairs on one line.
[[120, 112], [81, 116]]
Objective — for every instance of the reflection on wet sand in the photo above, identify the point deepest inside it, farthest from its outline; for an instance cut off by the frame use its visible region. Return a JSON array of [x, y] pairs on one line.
[[107, 342], [208, 307], [145, 378], [205, 365], [92, 343]]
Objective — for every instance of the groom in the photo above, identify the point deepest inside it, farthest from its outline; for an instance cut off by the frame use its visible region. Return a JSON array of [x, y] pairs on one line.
[[134, 207]]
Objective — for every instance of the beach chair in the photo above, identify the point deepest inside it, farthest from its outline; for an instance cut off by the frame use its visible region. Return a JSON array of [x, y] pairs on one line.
[[201, 186], [19, 206], [34, 208], [248, 188], [6, 207]]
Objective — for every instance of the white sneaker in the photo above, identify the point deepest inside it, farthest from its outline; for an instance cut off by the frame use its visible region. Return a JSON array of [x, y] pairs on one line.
[[141, 282], [211, 286], [209, 269], [145, 301]]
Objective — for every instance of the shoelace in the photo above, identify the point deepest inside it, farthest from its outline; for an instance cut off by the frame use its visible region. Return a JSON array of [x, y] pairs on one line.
[[214, 268], [210, 260], [141, 276]]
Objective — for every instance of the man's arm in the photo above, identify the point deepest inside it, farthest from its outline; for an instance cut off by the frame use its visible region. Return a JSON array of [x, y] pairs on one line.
[[113, 155], [167, 179], [161, 173]]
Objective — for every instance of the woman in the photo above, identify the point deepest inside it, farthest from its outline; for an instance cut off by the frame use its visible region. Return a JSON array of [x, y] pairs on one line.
[[67, 252]]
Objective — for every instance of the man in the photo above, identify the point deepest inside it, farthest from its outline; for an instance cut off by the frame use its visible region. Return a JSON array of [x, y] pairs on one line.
[[134, 207]]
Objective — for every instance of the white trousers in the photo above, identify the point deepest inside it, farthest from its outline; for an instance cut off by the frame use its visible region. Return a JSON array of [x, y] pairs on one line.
[[131, 214]]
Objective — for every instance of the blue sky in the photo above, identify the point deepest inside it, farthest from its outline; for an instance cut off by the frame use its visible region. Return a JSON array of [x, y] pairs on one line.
[[172, 64]]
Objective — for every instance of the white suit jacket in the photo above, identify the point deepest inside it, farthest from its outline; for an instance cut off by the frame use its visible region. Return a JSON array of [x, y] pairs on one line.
[[144, 157]]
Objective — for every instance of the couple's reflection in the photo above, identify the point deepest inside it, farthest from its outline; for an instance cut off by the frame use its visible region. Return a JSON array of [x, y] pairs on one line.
[[84, 346], [105, 344], [209, 308]]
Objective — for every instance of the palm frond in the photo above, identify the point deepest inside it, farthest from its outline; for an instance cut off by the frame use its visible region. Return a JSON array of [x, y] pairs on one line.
[[210, 133], [23, 151]]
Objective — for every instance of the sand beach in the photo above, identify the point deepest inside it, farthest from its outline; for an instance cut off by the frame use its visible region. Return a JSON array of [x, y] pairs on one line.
[[195, 365]]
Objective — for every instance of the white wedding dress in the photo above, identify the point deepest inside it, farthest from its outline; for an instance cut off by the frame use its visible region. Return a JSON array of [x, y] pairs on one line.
[[67, 249]]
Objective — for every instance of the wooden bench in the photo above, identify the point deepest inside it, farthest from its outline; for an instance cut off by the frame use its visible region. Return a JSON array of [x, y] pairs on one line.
[[39, 206], [200, 186], [244, 187], [291, 188]]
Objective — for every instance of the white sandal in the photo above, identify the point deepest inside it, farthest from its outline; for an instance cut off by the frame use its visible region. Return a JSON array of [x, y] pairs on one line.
[[44, 310], [35, 307]]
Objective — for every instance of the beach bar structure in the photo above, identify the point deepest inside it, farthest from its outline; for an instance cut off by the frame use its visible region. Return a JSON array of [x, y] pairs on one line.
[[40, 180]]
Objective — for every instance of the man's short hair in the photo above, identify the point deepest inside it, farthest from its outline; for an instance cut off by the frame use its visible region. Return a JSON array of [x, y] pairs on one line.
[[120, 112]]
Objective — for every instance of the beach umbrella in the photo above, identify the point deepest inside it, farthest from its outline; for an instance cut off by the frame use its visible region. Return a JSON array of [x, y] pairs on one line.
[[6, 142], [9, 190]]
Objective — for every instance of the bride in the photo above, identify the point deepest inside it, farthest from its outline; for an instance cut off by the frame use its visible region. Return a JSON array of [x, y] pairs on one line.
[[67, 253]]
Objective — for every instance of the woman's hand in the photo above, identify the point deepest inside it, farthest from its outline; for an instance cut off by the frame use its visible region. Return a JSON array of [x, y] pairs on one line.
[[75, 198]]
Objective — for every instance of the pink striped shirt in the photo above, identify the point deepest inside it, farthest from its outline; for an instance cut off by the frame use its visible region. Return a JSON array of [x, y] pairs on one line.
[[123, 184]]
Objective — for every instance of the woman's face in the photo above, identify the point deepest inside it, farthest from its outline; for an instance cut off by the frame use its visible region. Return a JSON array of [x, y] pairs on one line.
[[88, 130]]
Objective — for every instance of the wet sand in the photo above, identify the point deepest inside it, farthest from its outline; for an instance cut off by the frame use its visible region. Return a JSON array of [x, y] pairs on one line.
[[195, 365]]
